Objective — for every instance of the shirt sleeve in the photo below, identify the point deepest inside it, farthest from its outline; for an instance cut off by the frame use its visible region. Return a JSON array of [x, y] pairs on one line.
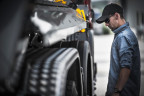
[[125, 51]]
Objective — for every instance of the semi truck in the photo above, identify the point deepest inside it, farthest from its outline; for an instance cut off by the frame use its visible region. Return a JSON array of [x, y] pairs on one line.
[[47, 48]]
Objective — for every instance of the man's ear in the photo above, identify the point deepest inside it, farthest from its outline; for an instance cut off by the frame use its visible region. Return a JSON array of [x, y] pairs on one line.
[[117, 15]]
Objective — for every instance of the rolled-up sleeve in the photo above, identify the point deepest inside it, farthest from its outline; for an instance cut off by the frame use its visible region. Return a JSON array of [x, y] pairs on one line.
[[125, 50]]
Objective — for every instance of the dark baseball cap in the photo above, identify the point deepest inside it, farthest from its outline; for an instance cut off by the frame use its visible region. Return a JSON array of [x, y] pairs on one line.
[[109, 10]]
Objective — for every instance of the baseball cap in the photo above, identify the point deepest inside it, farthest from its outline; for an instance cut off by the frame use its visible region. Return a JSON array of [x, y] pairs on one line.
[[109, 10]]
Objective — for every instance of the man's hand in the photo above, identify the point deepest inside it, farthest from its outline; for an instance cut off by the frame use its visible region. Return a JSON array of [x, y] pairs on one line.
[[116, 94]]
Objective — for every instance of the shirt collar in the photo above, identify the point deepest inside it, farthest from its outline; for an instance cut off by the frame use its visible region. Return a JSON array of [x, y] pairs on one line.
[[122, 27]]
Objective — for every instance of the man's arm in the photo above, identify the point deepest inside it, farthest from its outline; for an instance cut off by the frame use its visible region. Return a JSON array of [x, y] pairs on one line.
[[123, 77]]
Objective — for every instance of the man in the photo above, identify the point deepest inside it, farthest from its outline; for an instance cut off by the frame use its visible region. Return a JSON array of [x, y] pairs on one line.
[[124, 74]]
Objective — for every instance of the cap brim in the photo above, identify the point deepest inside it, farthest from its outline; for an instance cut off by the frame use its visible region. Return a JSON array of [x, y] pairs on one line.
[[101, 19]]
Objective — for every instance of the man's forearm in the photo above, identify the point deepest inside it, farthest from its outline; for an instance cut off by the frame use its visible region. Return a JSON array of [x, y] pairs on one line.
[[123, 77]]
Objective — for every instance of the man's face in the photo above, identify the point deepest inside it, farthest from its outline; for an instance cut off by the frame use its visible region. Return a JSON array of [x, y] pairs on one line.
[[112, 23]]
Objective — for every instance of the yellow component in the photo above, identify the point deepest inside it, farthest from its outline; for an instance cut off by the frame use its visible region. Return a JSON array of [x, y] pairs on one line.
[[83, 14], [62, 1], [83, 30], [80, 14]]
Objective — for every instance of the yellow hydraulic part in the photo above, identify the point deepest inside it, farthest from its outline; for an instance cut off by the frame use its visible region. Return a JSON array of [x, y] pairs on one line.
[[61, 1], [80, 14], [83, 30]]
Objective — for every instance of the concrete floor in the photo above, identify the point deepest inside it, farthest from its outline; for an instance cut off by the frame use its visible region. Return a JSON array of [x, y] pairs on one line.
[[102, 57]]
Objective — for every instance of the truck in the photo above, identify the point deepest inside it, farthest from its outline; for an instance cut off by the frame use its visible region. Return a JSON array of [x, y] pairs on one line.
[[47, 48]]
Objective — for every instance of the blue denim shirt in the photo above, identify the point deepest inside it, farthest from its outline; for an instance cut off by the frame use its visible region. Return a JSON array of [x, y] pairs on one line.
[[124, 53]]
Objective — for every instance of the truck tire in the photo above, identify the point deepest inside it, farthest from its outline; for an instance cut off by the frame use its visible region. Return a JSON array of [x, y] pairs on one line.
[[48, 71], [87, 65], [84, 36]]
